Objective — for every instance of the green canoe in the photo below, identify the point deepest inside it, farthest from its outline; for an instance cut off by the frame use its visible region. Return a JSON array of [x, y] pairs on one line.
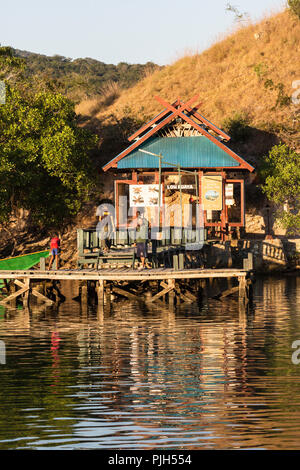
[[21, 262]]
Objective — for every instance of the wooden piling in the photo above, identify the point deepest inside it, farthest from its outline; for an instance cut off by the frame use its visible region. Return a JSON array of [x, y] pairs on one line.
[[171, 296], [107, 293], [242, 289], [26, 293], [43, 264], [100, 291], [13, 295], [84, 293]]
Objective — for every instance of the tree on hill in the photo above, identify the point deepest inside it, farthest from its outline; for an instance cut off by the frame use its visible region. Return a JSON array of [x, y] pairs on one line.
[[294, 6], [281, 172], [44, 156], [82, 78], [10, 66]]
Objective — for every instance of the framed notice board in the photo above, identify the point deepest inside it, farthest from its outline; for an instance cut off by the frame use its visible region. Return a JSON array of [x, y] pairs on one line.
[[212, 192]]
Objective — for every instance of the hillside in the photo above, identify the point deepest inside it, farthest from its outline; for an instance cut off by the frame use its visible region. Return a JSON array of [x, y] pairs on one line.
[[248, 75], [83, 78]]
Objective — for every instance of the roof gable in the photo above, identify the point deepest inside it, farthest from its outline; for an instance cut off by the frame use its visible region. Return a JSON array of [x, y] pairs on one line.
[[188, 152], [183, 111]]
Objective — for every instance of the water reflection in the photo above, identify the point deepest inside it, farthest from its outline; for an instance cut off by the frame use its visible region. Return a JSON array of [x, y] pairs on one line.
[[122, 376]]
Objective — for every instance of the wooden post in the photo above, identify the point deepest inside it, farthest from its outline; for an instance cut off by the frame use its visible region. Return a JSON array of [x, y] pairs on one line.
[[107, 296], [100, 291], [242, 289], [175, 262], [26, 294], [80, 241], [249, 289], [42, 264], [181, 261], [12, 291], [84, 293], [246, 264], [171, 285], [250, 261]]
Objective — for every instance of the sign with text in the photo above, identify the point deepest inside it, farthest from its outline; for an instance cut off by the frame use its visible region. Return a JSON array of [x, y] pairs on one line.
[[212, 196], [182, 186]]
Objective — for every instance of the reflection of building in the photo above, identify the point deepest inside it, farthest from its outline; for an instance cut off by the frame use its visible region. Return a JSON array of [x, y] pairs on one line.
[[184, 154]]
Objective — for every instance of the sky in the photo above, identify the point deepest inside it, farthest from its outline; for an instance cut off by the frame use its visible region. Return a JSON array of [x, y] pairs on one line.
[[113, 31]]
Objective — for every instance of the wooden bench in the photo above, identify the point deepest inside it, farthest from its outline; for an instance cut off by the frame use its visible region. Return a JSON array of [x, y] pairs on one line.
[[98, 260]]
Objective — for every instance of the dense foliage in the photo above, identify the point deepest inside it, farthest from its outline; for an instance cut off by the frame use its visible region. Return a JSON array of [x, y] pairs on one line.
[[82, 78], [44, 156], [281, 171]]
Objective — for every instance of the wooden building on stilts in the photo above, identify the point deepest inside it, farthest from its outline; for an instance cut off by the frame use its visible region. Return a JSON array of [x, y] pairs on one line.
[[180, 158]]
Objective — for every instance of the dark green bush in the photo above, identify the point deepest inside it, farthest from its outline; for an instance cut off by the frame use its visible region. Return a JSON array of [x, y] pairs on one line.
[[237, 126], [294, 6]]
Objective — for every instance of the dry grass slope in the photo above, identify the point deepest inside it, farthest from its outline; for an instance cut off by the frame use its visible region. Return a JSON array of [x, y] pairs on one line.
[[230, 77]]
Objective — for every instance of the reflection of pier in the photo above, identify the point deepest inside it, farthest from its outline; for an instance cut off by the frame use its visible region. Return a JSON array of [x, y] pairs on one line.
[[148, 285]]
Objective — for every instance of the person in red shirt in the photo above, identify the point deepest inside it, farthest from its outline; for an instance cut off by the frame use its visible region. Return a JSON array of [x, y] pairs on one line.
[[55, 251]]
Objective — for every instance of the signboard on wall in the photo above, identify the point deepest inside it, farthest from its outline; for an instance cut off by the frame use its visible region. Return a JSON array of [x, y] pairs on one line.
[[229, 201], [228, 191], [212, 194], [144, 195]]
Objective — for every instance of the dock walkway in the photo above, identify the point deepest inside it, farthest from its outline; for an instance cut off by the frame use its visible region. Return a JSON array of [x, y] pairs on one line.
[[129, 274], [172, 282]]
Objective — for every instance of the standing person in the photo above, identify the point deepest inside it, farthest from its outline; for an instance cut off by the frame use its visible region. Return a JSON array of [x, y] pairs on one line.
[[141, 240], [105, 227], [55, 250], [136, 218]]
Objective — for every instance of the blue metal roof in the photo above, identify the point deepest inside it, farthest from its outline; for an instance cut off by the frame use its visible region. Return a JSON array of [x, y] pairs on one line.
[[188, 152]]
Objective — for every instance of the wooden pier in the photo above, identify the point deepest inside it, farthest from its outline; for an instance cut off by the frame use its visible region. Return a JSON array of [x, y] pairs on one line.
[[148, 285]]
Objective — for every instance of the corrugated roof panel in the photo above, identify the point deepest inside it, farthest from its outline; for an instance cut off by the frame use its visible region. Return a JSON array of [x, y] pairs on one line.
[[188, 152]]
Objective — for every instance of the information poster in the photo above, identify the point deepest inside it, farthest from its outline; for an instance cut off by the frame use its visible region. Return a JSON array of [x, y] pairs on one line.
[[212, 196], [144, 195], [229, 201]]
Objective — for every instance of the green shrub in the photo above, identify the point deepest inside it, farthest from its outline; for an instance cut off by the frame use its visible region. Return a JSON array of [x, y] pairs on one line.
[[281, 174], [237, 126], [294, 6]]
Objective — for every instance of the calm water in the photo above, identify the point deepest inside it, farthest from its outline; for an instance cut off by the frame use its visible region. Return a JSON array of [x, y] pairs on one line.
[[133, 378]]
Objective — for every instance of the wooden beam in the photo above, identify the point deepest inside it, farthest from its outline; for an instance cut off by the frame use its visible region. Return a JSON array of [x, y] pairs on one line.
[[14, 295], [151, 122], [125, 293], [179, 112], [161, 293], [41, 296], [187, 298], [163, 113], [208, 123], [33, 291], [227, 292], [149, 134]]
